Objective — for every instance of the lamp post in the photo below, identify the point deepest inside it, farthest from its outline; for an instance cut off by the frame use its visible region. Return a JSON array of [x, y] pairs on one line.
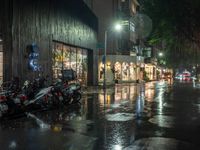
[[117, 27], [105, 52], [161, 63]]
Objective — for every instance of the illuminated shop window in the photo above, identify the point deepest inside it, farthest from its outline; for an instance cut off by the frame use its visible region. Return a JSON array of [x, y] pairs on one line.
[[118, 71], [79, 64], [84, 65], [73, 58], [69, 57], [101, 73], [149, 71], [57, 60], [125, 71], [132, 71], [66, 57]]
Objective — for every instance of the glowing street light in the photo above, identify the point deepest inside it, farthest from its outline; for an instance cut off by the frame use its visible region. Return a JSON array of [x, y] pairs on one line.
[[160, 54], [118, 27]]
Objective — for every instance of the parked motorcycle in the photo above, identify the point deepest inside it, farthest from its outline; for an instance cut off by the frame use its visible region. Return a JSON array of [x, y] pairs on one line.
[[11, 104], [35, 95], [72, 94], [13, 100], [10, 99], [67, 93]]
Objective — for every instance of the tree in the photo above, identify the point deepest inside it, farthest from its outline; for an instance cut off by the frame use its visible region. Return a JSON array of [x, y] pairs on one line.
[[176, 24]]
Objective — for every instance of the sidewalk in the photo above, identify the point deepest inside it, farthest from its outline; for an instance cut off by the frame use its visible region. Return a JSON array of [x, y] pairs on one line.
[[96, 89]]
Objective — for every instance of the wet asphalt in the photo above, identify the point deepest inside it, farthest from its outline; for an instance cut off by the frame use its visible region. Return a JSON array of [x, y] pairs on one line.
[[150, 116]]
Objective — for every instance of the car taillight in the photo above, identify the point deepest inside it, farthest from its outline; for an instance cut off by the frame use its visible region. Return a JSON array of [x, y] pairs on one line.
[[23, 98]]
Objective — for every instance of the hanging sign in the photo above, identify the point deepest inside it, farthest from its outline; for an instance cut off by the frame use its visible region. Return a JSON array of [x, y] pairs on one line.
[[33, 56]]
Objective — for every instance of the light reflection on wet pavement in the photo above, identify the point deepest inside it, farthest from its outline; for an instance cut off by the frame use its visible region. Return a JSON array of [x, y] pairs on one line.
[[148, 116]]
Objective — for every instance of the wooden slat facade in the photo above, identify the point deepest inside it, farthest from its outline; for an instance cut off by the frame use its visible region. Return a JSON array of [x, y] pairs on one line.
[[23, 22]]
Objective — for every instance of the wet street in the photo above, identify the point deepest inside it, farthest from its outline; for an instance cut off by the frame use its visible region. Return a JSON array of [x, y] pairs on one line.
[[148, 116]]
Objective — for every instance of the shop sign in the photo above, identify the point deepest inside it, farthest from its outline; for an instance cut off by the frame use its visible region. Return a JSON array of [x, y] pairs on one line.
[[33, 55]]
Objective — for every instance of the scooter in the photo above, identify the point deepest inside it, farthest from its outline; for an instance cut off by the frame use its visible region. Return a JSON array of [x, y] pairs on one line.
[[10, 101], [72, 93], [13, 102], [39, 98], [64, 93], [33, 97]]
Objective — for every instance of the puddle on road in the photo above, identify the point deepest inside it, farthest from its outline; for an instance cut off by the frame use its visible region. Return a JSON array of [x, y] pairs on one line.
[[125, 102], [71, 126], [49, 140], [167, 105], [163, 121], [159, 143], [80, 142], [115, 105], [12, 145], [108, 110], [120, 117], [122, 104]]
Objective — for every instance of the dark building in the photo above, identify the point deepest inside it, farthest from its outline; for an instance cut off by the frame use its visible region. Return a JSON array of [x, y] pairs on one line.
[[63, 32]]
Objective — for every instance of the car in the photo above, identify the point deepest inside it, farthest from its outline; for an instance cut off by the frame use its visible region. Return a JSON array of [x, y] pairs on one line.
[[185, 76]]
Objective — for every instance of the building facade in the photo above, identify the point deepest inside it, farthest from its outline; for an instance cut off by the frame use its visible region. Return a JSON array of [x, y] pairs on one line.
[[64, 34], [122, 62]]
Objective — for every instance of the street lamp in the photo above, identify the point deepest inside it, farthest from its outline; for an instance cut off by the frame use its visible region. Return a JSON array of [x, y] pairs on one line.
[[160, 54], [117, 27]]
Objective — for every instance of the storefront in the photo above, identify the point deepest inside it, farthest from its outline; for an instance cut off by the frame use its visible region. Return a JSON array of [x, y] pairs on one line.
[[150, 70], [120, 68], [70, 57]]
